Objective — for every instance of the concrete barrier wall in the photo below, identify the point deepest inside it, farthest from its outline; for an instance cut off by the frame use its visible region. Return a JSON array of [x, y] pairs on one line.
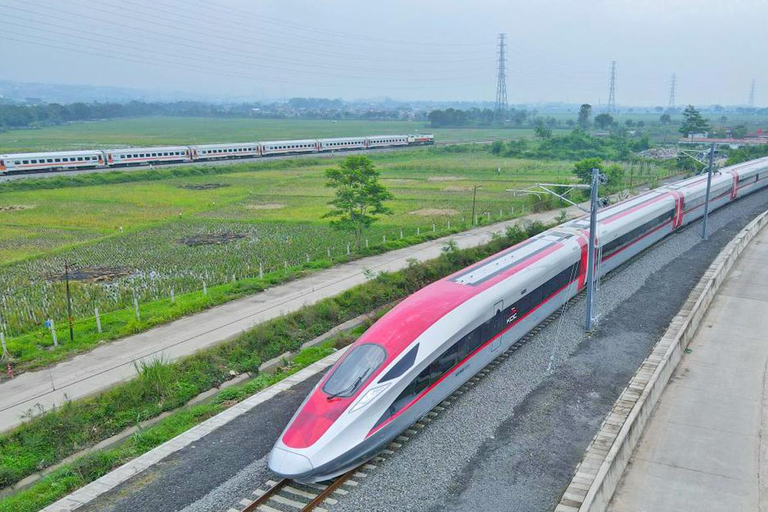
[[599, 473]]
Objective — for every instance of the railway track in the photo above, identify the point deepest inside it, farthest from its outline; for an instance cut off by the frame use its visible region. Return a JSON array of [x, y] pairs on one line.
[[287, 495]]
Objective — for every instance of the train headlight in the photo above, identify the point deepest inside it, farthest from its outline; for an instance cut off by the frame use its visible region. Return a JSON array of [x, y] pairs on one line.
[[369, 396]]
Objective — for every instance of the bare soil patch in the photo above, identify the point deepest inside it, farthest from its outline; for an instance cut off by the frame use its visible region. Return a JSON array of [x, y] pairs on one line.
[[204, 186], [211, 239], [93, 274], [16, 207], [445, 178], [435, 212], [266, 206]]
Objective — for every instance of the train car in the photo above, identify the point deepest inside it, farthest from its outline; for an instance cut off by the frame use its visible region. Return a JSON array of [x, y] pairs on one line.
[[426, 139], [224, 151], [439, 337], [51, 161], [341, 144], [151, 155], [287, 147], [384, 141]]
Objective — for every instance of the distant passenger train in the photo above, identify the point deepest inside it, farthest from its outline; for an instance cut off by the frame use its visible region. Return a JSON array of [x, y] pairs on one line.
[[98, 158]]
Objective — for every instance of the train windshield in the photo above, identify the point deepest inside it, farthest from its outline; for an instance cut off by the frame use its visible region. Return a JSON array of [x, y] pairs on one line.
[[354, 370]]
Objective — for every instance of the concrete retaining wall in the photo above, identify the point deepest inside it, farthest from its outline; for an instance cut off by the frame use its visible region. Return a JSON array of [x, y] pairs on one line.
[[599, 473]]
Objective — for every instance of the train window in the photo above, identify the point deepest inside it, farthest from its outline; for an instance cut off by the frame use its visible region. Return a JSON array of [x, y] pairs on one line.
[[79, 159], [354, 370], [34, 161], [26, 161], [401, 366]]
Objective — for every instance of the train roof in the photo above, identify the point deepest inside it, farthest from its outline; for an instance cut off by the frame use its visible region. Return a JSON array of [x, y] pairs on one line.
[[396, 330], [51, 154], [223, 145], [151, 148], [336, 139], [294, 141]]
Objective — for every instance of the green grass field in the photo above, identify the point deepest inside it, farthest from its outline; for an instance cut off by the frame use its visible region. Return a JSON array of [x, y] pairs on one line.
[[153, 131], [146, 239]]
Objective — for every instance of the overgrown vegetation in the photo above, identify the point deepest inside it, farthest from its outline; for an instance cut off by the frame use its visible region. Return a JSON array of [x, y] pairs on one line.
[[50, 437], [88, 468], [576, 145]]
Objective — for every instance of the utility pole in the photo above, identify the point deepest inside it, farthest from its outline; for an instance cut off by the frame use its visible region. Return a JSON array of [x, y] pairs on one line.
[[752, 95], [672, 87], [69, 303], [501, 80], [704, 233], [591, 253], [474, 200], [612, 93]]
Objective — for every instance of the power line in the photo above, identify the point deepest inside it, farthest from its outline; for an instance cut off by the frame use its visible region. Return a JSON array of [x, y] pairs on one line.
[[210, 71], [501, 79], [217, 59], [397, 57], [612, 93]]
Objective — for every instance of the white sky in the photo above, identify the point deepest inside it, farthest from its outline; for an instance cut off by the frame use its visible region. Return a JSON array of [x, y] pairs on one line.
[[560, 50]]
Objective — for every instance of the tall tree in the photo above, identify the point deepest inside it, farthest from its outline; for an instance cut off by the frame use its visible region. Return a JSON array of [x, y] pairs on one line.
[[693, 122], [585, 111], [359, 196], [583, 169]]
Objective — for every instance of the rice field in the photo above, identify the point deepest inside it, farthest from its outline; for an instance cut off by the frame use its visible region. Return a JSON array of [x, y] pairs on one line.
[[142, 241]]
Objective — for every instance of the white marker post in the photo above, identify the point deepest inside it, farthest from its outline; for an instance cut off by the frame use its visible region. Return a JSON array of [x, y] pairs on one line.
[[98, 319], [52, 327], [5, 356], [136, 308]]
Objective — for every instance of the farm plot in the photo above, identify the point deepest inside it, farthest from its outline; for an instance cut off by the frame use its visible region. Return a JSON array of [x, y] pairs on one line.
[[134, 243]]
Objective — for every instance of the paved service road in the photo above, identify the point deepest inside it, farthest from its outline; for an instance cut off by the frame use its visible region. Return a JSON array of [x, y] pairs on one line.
[[702, 447], [114, 362]]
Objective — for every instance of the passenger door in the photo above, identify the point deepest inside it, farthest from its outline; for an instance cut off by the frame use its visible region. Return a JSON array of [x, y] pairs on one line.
[[498, 324]]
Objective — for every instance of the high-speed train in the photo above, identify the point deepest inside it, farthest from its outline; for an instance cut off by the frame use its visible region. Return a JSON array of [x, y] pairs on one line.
[[435, 340], [98, 158]]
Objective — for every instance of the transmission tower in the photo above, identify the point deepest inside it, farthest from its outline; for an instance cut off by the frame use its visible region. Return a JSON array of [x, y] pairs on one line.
[[671, 105], [501, 79], [752, 95], [612, 92]]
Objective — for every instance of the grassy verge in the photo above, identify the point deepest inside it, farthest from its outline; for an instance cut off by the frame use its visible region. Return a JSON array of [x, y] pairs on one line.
[[47, 439], [84, 470], [35, 349]]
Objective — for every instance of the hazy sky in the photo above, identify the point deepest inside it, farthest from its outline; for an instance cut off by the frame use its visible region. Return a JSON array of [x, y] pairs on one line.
[[559, 50]]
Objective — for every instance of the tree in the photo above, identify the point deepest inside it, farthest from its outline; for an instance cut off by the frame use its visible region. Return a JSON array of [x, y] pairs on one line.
[[542, 131], [359, 196], [665, 119], [630, 123], [693, 122], [603, 121], [583, 169], [585, 111], [615, 174]]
